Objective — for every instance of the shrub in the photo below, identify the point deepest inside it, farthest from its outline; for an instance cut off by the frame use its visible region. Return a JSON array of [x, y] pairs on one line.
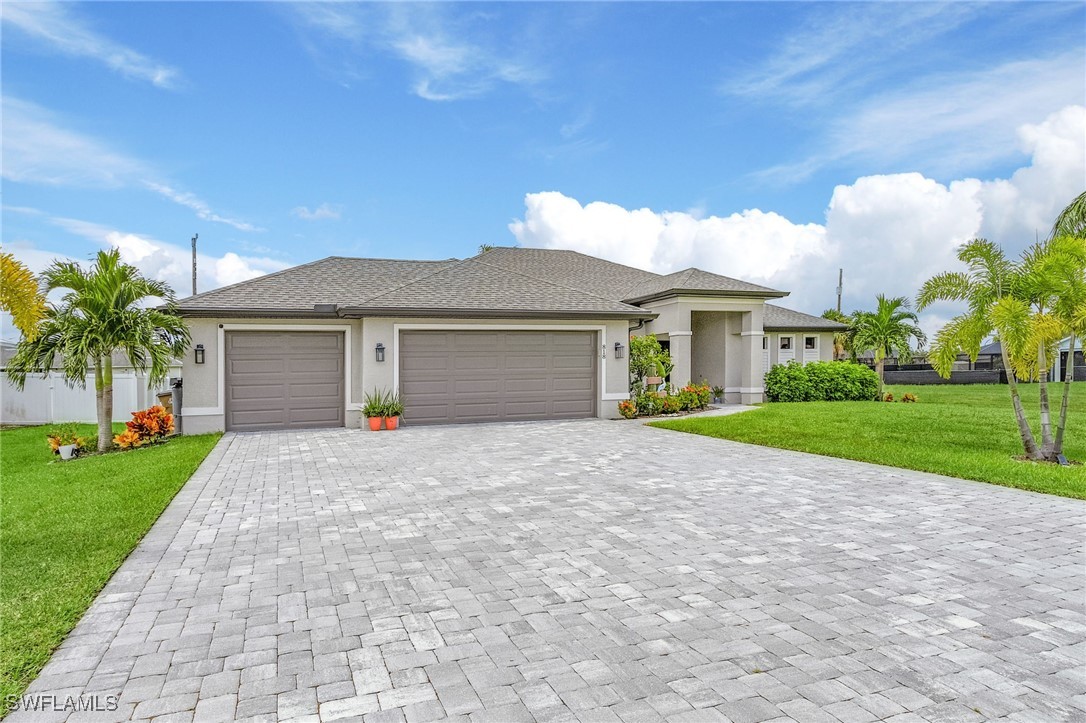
[[787, 383], [672, 404], [695, 396], [909, 397], [148, 425], [627, 408], [821, 381], [648, 404], [888, 398], [645, 354]]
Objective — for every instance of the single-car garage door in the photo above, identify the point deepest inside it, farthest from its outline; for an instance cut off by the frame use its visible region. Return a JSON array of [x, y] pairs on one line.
[[283, 380], [491, 376]]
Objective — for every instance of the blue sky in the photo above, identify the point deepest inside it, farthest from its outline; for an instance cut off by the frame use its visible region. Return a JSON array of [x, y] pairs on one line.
[[772, 141]]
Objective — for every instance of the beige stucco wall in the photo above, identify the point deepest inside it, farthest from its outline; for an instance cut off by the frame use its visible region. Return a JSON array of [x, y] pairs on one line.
[[825, 344], [202, 381]]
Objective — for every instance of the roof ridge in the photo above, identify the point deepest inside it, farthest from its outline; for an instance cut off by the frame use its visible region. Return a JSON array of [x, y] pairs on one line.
[[456, 262], [553, 283]]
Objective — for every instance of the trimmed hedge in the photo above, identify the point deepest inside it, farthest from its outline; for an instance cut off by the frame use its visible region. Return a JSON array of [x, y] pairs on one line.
[[834, 381]]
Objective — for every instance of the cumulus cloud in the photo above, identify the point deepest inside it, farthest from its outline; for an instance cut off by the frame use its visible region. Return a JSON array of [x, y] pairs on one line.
[[325, 211], [889, 232], [168, 262], [54, 24]]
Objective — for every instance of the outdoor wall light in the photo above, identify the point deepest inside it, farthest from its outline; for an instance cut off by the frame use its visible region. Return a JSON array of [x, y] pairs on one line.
[[619, 349], [380, 352], [199, 353]]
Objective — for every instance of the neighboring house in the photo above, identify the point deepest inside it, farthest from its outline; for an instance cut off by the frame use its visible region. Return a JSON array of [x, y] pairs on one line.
[[48, 399], [1061, 360], [511, 334]]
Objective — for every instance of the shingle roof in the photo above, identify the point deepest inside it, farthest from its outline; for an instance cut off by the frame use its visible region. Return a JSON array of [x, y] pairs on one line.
[[479, 287], [335, 280], [502, 281], [571, 268], [778, 318], [697, 281]]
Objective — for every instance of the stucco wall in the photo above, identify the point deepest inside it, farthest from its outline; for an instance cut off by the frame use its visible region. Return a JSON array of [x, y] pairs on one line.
[[825, 344], [202, 381]]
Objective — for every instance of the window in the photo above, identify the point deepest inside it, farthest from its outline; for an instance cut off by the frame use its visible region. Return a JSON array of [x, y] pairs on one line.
[[810, 342], [765, 343], [786, 342]]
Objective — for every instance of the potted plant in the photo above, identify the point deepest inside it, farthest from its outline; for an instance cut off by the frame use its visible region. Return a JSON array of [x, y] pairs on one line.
[[65, 441], [718, 394], [392, 411], [373, 407]]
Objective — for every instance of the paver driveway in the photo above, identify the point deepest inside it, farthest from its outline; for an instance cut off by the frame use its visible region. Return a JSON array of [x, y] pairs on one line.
[[585, 570]]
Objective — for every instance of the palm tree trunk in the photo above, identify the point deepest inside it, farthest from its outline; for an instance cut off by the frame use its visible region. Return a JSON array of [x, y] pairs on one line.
[[1046, 413], [105, 428], [1068, 377], [107, 402], [879, 367], [1028, 442]]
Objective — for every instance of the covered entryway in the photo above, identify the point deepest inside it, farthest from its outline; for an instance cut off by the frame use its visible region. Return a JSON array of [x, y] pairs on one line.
[[491, 376], [284, 380]]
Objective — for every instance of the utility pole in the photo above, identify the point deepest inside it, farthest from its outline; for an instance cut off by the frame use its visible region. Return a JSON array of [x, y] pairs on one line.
[[840, 285], [196, 236]]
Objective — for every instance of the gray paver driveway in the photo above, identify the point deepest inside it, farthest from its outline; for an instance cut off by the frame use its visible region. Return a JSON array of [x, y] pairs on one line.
[[585, 570]]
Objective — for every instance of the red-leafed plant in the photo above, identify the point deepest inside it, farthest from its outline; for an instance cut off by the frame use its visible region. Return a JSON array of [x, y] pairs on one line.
[[147, 425]]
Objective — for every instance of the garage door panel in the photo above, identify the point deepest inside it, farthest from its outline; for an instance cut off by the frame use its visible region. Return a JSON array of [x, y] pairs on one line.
[[475, 376], [277, 380]]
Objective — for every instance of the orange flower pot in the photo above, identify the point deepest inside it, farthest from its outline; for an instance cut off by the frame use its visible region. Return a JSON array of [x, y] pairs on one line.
[[392, 422], [375, 423]]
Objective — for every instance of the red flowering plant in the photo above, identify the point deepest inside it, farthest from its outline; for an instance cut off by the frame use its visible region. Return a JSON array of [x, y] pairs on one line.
[[147, 425], [627, 408]]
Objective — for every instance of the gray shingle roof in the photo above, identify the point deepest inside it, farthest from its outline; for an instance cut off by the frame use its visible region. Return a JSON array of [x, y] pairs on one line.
[[778, 318], [694, 281], [334, 280], [476, 286], [501, 281]]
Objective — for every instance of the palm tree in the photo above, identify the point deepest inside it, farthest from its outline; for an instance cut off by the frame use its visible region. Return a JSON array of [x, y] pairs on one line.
[[101, 314], [1072, 220], [887, 331], [988, 289], [842, 339], [1067, 265], [20, 296]]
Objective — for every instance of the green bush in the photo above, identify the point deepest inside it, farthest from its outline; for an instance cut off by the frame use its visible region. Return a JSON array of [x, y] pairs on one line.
[[834, 381], [648, 404]]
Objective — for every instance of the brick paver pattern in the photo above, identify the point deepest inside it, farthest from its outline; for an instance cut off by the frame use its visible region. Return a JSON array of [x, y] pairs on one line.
[[589, 570]]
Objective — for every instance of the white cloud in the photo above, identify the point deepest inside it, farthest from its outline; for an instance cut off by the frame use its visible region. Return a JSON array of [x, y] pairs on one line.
[[198, 205], [322, 212], [169, 262], [53, 23], [889, 232], [447, 64], [952, 121], [36, 149]]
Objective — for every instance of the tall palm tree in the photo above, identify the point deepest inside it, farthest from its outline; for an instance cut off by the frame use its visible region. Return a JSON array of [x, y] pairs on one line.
[[887, 331], [99, 314], [1072, 220], [842, 339], [988, 288], [1067, 265]]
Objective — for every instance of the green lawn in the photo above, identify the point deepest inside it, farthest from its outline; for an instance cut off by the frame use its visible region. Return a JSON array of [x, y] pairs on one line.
[[961, 431], [65, 527]]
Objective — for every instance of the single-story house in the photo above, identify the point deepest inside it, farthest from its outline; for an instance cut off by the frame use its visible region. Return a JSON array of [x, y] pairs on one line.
[[510, 334]]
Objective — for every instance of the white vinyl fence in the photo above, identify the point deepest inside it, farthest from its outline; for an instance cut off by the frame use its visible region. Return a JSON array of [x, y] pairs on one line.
[[49, 400]]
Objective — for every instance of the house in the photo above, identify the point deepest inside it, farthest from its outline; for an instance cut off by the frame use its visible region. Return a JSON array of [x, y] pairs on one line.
[[510, 334]]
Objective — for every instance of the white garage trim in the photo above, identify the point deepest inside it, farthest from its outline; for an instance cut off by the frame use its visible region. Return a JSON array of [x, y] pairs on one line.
[[221, 372], [601, 330]]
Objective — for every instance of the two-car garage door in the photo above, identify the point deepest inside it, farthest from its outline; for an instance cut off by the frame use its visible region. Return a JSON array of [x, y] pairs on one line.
[[491, 376], [295, 379]]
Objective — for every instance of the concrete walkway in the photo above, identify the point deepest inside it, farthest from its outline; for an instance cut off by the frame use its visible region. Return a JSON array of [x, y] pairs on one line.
[[591, 570]]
